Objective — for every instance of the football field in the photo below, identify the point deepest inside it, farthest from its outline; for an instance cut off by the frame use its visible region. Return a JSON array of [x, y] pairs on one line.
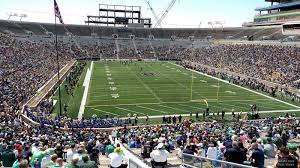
[[164, 88]]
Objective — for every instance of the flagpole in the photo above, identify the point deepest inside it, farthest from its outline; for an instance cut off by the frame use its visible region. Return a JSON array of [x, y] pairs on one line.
[[58, 69]]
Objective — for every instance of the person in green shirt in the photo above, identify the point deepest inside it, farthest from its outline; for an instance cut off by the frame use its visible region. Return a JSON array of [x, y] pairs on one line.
[[17, 162], [37, 158], [59, 163], [54, 157], [8, 157], [87, 163], [110, 149], [73, 163], [277, 140]]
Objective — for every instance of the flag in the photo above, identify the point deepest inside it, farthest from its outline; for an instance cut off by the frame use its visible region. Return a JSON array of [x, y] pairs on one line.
[[57, 12]]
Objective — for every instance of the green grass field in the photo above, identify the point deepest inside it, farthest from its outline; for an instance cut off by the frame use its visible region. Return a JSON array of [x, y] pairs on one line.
[[160, 88]]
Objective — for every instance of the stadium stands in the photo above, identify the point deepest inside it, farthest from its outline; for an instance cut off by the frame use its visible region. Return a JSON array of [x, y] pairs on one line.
[[28, 62], [82, 30]]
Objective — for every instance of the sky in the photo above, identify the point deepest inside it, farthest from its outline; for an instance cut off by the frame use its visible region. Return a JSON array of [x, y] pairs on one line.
[[185, 13]]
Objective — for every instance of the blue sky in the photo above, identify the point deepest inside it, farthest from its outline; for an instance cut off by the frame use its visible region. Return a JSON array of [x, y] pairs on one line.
[[185, 13]]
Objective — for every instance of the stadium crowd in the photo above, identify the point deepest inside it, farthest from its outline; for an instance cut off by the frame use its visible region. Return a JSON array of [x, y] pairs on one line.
[[275, 63], [258, 143], [27, 65], [243, 143], [23, 146], [24, 68]]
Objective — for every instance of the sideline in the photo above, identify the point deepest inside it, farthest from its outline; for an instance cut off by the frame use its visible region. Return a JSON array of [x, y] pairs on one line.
[[210, 114], [239, 86], [86, 85]]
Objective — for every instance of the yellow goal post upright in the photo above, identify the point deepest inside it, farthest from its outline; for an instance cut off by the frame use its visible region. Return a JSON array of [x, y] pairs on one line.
[[204, 100], [219, 68], [194, 68]]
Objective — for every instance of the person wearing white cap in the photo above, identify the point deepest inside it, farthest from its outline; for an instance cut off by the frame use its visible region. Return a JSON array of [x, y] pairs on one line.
[[159, 156]]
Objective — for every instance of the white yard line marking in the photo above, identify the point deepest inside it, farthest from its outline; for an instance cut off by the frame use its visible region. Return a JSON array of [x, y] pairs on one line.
[[132, 94], [129, 110], [133, 104], [171, 108], [241, 87], [98, 96], [178, 83], [105, 112], [86, 85], [191, 106], [152, 109], [146, 86], [108, 100]]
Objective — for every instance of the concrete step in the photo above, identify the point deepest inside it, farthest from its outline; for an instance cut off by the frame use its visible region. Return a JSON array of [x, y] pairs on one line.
[[104, 161]]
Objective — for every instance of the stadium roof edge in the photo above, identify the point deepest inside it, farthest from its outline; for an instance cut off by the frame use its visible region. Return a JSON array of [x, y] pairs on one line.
[[277, 6], [82, 25]]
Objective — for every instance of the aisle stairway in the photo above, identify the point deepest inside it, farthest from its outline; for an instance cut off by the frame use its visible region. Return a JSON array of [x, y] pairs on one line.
[[173, 160], [104, 162]]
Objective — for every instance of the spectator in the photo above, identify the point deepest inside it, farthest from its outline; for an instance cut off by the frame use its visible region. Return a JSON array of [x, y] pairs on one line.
[[94, 155], [285, 160], [110, 149], [186, 154], [73, 163], [159, 156], [23, 164], [116, 159], [212, 151], [17, 162], [293, 151], [52, 162], [88, 163], [70, 152], [259, 144], [8, 157], [270, 148], [232, 154], [257, 157], [59, 163], [46, 159], [243, 152]]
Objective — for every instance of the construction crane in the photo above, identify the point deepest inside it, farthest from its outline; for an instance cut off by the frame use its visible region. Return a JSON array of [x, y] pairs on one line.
[[153, 12], [165, 13]]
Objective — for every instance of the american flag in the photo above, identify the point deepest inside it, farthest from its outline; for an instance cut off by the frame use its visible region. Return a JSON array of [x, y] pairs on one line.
[[57, 12]]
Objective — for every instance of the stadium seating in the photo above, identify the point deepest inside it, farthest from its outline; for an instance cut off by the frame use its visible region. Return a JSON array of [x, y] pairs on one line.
[[82, 30], [29, 61]]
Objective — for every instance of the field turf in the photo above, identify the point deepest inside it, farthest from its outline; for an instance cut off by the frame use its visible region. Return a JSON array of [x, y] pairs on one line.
[[162, 88]]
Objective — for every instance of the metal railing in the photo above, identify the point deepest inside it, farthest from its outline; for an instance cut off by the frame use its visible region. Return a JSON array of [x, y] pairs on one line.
[[191, 161], [133, 164]]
